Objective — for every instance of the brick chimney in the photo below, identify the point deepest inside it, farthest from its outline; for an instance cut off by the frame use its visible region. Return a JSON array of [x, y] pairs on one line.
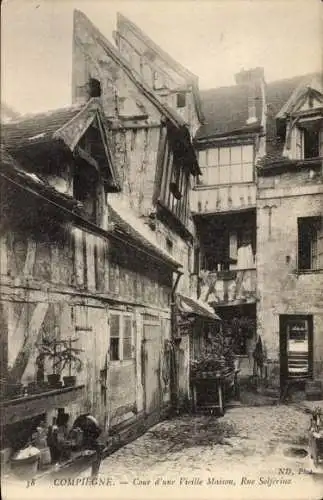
[[254, 80]]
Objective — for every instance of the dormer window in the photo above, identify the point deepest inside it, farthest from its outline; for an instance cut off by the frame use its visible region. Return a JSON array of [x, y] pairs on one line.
[[308, 134], [311, 143]]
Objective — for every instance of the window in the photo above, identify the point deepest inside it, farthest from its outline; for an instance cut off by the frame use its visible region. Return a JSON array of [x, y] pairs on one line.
[[311, 143], [94, 88], [181, 99], [175, 185], [310, 243], [227, 165], [121, 337]]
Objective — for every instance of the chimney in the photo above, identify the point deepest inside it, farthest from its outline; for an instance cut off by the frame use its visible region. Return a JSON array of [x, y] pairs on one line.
[[253, 80]]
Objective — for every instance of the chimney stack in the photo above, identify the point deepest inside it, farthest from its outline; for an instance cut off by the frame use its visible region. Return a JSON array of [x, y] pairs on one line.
[[253, 79]]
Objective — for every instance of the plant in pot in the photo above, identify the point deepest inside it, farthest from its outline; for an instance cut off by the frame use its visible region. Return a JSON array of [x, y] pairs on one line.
[[49, 349], [70, 357]]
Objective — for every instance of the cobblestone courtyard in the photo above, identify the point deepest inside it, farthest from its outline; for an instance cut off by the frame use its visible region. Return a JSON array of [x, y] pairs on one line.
[[247, 446]]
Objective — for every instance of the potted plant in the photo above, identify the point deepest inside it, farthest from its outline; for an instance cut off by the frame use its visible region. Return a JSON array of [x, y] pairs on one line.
[[62, 354], [69, 357]]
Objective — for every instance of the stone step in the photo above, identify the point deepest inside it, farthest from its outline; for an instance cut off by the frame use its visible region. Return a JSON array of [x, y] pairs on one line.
[[313, 384]]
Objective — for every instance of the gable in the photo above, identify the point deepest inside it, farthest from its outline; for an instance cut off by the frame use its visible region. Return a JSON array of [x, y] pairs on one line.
[[95, 57], [56, 134], [307, 95]]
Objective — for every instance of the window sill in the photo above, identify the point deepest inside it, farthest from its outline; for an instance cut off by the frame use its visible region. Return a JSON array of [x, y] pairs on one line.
[[122, 363], [308, 271]]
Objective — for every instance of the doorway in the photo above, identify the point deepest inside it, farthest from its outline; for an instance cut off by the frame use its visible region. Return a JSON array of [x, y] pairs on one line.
[[151, 347], [296, 347]]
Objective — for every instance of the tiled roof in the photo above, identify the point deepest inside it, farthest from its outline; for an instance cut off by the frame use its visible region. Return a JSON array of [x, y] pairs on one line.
[[131, 225], [278, 94], [226, 108], [226, 111], [11, 170], [40, 127]]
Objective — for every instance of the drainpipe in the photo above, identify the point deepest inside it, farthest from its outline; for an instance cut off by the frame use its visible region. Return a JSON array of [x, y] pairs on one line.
[[174, 382]]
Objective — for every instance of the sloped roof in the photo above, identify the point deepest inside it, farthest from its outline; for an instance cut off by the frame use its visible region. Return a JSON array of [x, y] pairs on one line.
[[278, 94], [11, 170], [66, 125], [190, 305], [36, 128], [226, 108], [172, 63], [174, 118], [226, 111], [130, 224]]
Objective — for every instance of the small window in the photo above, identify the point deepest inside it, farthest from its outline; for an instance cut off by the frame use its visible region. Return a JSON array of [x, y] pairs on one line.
[[181, 99], [311, 143], [121, 341], [310, 243], [169, 245], [94, 87]]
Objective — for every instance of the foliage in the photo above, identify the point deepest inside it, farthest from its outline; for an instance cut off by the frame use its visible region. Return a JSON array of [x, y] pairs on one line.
[[61, 353], [215, 356]]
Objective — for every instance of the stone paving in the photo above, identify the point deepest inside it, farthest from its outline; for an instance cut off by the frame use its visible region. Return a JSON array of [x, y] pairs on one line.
[[247, 444]]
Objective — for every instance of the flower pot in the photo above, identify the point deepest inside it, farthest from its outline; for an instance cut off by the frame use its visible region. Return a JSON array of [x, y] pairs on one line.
[[25, 463], [69, 380], [54, 380]]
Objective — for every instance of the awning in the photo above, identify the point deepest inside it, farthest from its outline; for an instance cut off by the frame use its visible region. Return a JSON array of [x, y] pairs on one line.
[[189, 305]]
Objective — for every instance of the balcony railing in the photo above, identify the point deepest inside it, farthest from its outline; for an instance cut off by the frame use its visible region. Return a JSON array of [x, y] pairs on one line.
[[228, 287], [210, 199]]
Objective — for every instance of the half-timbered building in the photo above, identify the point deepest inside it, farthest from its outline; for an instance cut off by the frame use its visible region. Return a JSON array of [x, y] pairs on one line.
[[77, 268]]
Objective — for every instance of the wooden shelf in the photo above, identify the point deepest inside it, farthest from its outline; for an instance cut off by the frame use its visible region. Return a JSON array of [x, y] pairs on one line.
[[16, 410]]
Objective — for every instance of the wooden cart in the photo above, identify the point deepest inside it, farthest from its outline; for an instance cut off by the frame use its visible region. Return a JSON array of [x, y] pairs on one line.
[[210, 392]]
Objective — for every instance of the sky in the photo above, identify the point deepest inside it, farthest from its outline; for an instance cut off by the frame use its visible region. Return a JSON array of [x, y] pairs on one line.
[[214, 39]]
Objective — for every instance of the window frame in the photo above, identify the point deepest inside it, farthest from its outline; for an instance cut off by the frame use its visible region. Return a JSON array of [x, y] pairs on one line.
[[313, 243], [122, 315], [228, 168]]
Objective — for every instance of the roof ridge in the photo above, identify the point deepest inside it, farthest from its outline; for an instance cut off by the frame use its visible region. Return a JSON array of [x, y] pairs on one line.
[[106, 44], [163, 54], [30, 116]]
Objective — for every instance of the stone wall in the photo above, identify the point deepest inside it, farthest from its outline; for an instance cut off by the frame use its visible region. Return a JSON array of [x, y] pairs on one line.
[[282, 289]]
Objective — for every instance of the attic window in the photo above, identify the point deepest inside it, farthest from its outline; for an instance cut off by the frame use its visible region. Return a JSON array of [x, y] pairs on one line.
[[181, 99], [94, 87]]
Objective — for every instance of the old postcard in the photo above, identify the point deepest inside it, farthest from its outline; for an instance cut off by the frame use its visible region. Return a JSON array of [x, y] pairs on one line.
[[161, 249]]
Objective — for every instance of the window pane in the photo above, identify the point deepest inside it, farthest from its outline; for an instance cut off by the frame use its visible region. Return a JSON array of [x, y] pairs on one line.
[[247, 154], [236, 174], [247, 172], [114, 349], [224, 174], [213, 156], [224, 156], [202, 158], [114, 325], [213, 175], [236, 154], [127, 337]]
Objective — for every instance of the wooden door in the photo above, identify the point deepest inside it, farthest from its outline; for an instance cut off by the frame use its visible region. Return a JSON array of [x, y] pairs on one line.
[[90, 327], [151, 365]]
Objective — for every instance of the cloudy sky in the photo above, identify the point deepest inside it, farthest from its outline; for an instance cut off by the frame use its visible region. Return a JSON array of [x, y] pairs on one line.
[[212, 38]]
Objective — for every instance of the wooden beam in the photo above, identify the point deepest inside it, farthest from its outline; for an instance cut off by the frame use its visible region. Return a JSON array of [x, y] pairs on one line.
[[87, 157]]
